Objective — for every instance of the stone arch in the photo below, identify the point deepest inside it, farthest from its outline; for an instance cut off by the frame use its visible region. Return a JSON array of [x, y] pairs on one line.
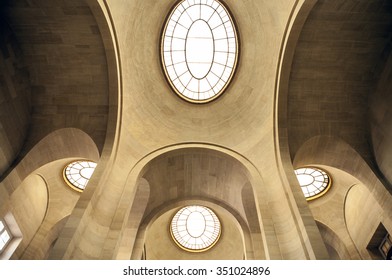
[[45, 239], [288, 47], [364, 190], [63, 143], [242, 233], [335, 152], [45, 160], [130, 242], [363, 215], [71, 56], [193, 155], [319, 91], [292, 32], [15, 98], [108, 34], [104, 20], [336, 248]]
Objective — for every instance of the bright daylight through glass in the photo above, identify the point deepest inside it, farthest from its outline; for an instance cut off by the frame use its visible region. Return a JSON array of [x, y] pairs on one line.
[[313, 181], [4, 236], [199, 49], [195, 228], [78, 173]]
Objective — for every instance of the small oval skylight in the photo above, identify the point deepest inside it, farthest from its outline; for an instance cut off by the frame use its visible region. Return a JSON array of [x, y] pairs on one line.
[[314, 182], [78, 173], [195, 228], [199, 49]]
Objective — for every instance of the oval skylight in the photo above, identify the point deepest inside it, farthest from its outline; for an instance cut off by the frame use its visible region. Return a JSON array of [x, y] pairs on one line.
[[195, 228], [199, 49], [314, 182], [78, 173]]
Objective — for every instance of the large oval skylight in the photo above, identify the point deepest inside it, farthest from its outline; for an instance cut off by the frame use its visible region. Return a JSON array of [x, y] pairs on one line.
[[195, 228], [314, 182], [199, 49], [78, 173]]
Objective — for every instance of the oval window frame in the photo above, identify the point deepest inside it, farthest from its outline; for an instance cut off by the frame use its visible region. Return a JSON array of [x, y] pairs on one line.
[[178, 213], [70, 165], [236, 54], [324, 173]]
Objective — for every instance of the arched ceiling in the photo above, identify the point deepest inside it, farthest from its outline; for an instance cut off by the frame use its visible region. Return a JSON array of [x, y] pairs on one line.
[[155, 116], [195, 173], [14, 97], [338, 59], [66, 60]]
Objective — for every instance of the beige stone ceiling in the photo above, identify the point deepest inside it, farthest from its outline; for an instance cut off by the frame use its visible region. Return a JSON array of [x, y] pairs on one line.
[[336, 61], [63, 49], [14, 97], [188, 173], [154, 116], [341, 51], [173, 144]]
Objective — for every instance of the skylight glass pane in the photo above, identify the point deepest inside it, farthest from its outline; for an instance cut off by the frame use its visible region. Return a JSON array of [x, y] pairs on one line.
[[204, 86], [185, 78], [196, 37], [178, 44], [212, 79], [177, 57], [1, 226], [82, 182], [180, 31], [218, 69], [171, 72], [214, 21], [314, 182], [206, 12], [222, 45], [5, 236], [87, 172], [195, 228]]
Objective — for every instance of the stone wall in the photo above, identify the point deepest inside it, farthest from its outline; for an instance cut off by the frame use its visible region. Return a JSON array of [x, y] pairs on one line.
[[381, 122], [14, 98], [67, 63]]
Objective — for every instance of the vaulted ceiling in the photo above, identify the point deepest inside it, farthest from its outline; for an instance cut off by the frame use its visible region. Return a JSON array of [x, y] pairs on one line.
[[62, 47], [341, 52]]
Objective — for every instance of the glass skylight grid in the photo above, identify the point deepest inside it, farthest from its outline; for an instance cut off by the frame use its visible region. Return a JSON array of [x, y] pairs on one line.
[[195, 228], [314, 182], [199, 49], [78, 173], [5, 236]]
